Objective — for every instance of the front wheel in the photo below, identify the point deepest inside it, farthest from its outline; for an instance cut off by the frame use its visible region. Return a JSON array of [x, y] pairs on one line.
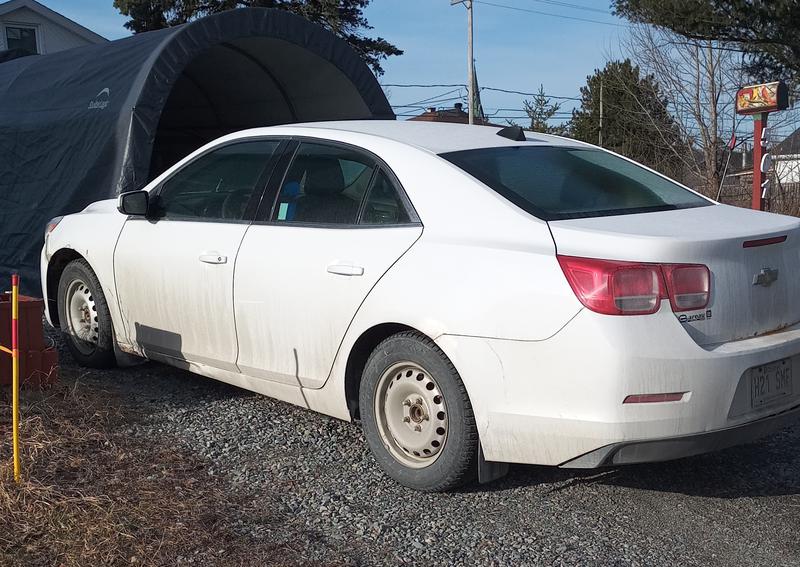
[[84, 316], [417, 416]]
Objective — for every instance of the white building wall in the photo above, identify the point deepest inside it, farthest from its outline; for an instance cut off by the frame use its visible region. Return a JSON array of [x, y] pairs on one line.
[[787, 168], [51, 37]]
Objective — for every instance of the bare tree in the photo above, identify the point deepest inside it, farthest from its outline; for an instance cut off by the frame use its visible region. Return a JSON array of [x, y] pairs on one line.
[[699, 80]]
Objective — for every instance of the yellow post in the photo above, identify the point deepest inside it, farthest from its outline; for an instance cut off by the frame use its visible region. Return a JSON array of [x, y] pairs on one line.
[[15, 372]]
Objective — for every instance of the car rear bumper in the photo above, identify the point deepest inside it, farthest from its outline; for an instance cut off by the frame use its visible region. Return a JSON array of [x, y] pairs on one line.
[[654, 450], [560, 401]]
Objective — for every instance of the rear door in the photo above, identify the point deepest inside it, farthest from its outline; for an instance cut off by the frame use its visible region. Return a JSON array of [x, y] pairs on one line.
[[339, 221], [174, 272]]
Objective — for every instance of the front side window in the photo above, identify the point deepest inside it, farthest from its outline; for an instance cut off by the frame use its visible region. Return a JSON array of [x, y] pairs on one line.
[[562, 182], [23, 39], [218, 185], [324, 185]]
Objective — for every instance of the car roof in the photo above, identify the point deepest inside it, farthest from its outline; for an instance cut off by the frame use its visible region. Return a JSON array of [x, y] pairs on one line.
[[436, 137]]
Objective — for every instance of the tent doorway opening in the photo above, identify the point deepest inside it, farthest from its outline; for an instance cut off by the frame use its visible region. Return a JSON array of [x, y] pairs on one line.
[[246, 83]]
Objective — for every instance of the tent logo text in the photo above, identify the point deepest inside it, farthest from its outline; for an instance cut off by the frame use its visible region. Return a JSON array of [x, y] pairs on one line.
[[101, 100]]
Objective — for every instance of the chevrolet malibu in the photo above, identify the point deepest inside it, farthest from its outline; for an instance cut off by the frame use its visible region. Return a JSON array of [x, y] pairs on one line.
[[474, 296]]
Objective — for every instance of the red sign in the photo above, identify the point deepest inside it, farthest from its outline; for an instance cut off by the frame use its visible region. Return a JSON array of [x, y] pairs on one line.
[[766, 97]]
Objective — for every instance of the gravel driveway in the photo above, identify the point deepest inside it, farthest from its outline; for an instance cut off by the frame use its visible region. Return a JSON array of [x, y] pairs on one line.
[[737, 507]]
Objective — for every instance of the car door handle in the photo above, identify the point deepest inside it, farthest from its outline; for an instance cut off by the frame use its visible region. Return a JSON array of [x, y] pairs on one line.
[[213, 258], [345, 270]]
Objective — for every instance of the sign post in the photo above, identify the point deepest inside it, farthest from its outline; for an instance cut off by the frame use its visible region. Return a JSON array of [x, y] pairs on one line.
[[14, 352], [758, 101], [15, 371]]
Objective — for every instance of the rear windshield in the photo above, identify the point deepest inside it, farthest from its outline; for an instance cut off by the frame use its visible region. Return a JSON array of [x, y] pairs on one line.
[[563, 183]]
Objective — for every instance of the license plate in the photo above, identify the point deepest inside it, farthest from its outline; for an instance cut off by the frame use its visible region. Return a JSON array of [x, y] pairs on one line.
[[770, 382]]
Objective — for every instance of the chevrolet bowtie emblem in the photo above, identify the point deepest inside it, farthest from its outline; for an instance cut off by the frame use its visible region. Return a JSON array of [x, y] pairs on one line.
[[766, 277]]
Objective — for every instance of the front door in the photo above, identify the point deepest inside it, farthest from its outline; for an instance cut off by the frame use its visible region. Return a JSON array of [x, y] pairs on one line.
[[174, 272], [338, 223]]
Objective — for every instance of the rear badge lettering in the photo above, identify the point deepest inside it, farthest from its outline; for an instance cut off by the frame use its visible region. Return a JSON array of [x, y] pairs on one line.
[[695, 317]]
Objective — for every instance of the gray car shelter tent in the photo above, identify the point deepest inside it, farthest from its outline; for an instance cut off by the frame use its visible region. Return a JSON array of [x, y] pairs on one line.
[[92, 122]]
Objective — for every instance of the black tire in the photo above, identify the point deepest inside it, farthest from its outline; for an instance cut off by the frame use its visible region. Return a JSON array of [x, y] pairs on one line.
[[99, 351], [456, 463]]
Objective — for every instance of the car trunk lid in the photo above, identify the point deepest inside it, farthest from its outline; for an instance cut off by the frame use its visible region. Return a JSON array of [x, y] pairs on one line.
[[754, 270]]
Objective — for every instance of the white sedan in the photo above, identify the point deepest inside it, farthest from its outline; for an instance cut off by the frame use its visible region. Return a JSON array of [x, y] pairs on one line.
[[475, 296]]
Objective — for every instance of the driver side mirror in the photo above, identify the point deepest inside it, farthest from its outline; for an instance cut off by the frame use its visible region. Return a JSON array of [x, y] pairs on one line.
[[134, 203]]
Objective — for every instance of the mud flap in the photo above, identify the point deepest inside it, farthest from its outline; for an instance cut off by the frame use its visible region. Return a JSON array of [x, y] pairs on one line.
[[125, 359], [489, 471]]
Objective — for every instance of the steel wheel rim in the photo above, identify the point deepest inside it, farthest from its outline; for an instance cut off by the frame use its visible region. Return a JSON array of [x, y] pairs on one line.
[[82, 320], [411, 414]]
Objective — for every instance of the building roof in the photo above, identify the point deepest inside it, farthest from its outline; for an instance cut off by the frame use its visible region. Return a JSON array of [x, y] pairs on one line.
[[789, 146], [53, 16], [455, 115]]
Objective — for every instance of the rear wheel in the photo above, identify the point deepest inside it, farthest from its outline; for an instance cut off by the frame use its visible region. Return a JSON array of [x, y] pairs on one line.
[[417, 416], [84, 316]]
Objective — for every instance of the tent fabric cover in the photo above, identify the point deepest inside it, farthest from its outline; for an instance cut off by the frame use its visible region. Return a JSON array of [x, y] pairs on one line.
[[89, 123], [10, 54]]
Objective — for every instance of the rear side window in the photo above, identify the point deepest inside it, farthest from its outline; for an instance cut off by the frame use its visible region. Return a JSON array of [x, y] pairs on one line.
[[324, 185], [217, 185], [561, 183], [384, 205]]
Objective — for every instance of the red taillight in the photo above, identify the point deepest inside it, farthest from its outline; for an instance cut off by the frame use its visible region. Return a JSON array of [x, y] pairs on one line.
[[689, 286], [614, 288], [629, 288], [636, 289]]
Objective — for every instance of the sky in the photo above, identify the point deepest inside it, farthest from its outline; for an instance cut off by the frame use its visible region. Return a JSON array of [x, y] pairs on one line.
[[519, 45], [513, 49]]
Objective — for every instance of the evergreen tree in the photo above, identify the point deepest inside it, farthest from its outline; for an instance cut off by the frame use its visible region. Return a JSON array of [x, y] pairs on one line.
[[541, 110], [636, 121], [345, 18]]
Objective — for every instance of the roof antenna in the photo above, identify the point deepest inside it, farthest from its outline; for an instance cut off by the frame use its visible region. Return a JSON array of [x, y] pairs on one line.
[[512, 133]]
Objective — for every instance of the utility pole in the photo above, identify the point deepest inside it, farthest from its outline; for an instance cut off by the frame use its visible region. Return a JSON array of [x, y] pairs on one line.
[[600, 131], [470, 59]]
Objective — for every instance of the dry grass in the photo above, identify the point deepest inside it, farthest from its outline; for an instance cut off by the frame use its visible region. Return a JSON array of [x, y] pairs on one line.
[[92, 495]]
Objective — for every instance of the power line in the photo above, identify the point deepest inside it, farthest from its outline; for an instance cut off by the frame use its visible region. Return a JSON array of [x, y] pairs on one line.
[[522, 110], [573, 6], [528, 10], [429, 103], [432, 100], [495, 89], [458, 90], [507, 91], [404, 85]]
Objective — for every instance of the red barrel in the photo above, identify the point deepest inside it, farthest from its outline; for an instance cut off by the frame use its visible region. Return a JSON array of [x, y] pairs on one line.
[[38, 362]]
